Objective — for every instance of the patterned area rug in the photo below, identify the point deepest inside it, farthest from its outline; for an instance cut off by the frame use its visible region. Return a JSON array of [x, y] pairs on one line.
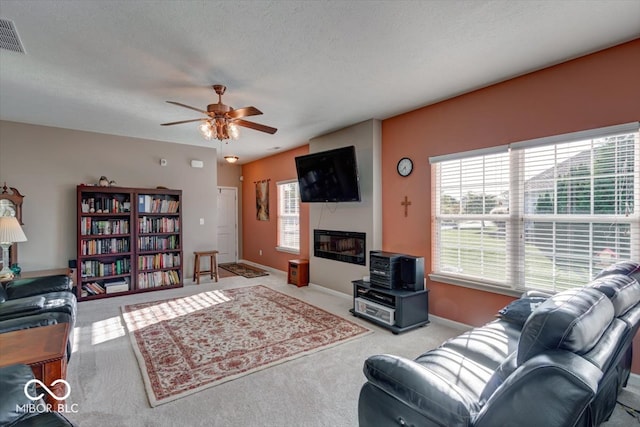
[[185, 345], [243, 270]]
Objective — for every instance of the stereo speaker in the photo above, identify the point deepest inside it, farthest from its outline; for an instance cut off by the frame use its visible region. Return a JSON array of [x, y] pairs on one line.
[[412, 273]]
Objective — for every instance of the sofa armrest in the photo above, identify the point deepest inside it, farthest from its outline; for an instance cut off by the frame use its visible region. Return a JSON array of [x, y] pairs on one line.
[[421, 389], [21, 307], [559, 381], [21, 288]]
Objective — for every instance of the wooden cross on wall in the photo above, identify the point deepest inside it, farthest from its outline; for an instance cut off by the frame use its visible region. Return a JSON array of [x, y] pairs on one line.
[[406, 205]]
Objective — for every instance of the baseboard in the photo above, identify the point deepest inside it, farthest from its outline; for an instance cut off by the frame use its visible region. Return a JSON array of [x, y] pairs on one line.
[[447, 322], [330, 291]]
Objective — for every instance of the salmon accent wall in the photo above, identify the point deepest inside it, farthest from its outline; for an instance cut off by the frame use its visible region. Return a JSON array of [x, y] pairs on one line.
[[597, 90], [263, 235]]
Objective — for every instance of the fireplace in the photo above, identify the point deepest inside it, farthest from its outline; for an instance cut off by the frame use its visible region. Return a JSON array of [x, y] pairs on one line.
[[345, 246]]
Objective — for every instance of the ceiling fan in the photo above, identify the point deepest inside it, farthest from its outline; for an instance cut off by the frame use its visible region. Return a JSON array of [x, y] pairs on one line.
[[222, 121]]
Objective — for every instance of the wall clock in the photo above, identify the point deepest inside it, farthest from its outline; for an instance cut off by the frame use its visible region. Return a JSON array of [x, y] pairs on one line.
[[405, 166]]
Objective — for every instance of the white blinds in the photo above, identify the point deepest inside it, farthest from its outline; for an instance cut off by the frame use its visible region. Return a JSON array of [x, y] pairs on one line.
[[544, 216], [288, 215]]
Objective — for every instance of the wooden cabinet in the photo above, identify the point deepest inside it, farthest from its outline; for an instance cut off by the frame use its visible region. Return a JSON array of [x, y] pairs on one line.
[[298, 272], [394, 309], [129, 240]]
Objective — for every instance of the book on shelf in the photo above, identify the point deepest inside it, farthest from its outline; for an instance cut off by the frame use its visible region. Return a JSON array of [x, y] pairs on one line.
[[150, 204], [119, 285]]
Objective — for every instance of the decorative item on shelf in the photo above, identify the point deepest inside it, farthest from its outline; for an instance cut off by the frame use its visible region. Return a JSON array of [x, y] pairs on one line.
[[103, 182], [10, 233], [231, 159], [112, 183]]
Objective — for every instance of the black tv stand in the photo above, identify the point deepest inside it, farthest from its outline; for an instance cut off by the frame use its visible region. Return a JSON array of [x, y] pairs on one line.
[[394, 309]]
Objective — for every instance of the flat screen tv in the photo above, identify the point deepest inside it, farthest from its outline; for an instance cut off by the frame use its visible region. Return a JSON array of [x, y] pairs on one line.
[[329, 176]]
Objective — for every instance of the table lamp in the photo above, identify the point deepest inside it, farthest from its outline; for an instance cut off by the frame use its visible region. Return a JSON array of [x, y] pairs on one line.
[[10, 233]]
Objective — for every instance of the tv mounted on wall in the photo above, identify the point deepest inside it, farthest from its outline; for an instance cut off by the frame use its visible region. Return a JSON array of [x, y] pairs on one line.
[[329, 176]]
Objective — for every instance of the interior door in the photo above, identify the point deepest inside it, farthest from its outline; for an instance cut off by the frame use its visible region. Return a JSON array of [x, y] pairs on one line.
[[227, 224]]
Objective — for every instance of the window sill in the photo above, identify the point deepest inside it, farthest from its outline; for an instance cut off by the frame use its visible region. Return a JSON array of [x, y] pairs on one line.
[[288, 250], [479, 286]]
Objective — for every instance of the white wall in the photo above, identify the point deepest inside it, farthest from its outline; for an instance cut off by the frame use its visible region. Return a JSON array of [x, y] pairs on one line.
[[364, 216]]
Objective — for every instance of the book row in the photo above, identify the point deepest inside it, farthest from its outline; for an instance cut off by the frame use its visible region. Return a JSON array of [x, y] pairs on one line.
[[158, 243], [149, 262], [102, 227], [104, 204], [158, 225], [91, 268], [106, 287], [158, 278], [104, 246], [151, 204]]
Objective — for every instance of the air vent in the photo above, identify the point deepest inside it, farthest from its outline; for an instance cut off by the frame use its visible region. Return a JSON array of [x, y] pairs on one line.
[[9, 39]]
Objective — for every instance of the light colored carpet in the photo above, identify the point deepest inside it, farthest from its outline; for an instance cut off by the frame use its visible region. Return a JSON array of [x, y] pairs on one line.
[[188, 344], [317, 390]]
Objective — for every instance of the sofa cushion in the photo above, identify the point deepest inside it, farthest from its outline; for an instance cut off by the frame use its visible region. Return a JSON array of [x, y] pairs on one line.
[[622, 290], [21, 288], [572, 320], [518, 311], [21, 306]]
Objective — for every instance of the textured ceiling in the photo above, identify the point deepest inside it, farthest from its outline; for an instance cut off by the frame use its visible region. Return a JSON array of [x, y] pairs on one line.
[[312, 67]]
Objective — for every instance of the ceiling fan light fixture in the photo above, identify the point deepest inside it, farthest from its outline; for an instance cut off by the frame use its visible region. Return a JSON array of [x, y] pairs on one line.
[[231, 159], [233, 131], [207, 131]]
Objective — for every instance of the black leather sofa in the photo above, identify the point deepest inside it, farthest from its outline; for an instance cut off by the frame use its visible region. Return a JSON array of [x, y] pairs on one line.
[[16, 409], [42, 301], [561, 364]]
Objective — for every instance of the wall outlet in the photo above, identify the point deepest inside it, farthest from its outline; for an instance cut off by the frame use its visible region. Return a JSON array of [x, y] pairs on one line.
[[260, 252], [201, 221]]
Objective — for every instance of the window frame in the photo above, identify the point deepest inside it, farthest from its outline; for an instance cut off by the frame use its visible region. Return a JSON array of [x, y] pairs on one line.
[[514, 283], [280, 246]]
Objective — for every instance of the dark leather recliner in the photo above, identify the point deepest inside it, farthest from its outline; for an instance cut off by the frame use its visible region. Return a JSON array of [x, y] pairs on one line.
[[563, 367], [16, 409], [42, 301]]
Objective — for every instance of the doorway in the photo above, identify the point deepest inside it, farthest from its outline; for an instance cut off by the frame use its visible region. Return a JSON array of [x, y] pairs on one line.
[[227, 224]]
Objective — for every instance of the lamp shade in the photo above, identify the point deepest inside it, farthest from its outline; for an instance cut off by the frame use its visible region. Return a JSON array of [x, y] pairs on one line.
[[10, 230]]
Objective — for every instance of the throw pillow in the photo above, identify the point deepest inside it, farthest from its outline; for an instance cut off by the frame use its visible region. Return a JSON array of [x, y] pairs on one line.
[[519, 310]]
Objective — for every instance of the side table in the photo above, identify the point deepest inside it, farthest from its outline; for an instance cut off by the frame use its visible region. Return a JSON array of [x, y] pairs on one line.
[[298, 272], [45, 350]]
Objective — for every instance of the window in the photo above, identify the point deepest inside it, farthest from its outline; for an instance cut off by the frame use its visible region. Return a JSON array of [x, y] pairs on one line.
[[544, 214], [288, 216]]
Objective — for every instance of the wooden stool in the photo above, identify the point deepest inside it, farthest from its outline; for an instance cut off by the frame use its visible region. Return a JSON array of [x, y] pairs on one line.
[[213, 268]]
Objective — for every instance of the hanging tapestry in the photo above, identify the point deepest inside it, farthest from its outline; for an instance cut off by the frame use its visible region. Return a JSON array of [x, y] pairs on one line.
[[262, 200]]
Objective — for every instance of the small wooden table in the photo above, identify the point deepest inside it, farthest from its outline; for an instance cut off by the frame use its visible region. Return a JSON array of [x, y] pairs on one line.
[[44, 349], [44, 273], [213, 266], [298, 272]]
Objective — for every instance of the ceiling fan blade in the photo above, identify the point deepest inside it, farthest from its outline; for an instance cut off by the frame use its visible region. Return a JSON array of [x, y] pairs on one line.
[[255, 126], [244, 112], [181, 121], [189, 107]]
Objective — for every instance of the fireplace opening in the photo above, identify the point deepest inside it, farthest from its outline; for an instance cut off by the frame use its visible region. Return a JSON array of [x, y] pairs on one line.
[[345, 246]]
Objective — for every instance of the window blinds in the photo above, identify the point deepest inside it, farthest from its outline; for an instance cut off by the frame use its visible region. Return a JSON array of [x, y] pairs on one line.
[[547, 214]]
